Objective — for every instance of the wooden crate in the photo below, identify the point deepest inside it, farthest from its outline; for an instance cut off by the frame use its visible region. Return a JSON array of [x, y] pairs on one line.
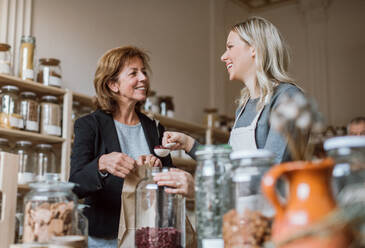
[[8, 187]]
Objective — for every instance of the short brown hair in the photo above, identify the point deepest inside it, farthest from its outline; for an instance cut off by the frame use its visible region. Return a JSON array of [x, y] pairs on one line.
[[108, 69]]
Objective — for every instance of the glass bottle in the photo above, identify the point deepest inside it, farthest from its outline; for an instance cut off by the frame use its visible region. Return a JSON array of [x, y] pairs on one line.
[[5, 59], [45, 158], [49, 72], [160, 217], [51, 114], [248, 221], [26, 60], [211, 193], [4, 145], [10, 112], [50, 209], [26, 172], [29, 109]]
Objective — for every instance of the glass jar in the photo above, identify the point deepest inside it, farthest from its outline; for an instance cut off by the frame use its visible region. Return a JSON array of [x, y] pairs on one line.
[[82, 221], [26, 60], [46, 163], [27, 170], [4, 145], [166, 106], [151, 104], [5, 59], [160, 217], [248, 221], [211, 193], [51, 114], [10, 112], [50, 209], [29, 109], [49, 72], [349, 172]]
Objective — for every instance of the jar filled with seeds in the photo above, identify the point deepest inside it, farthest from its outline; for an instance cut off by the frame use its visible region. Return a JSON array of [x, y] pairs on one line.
[[51, 115], [10, 111], [50, 210], [5, 59], [46, 163], [27, 171], [26, 60], [49, 72], [29, 109]]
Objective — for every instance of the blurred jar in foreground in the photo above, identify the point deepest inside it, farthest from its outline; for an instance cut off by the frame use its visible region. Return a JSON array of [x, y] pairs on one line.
[[51, 115], [47, 168], [248, 222], [26, 60], [10, 108], [49, 72], [26, 172], [5, 59], [29, 109]]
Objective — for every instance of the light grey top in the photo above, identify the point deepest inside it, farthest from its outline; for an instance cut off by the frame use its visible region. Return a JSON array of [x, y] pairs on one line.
[[132, 140]]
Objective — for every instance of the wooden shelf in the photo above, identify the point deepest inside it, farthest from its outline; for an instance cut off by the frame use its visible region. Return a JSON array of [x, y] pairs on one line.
[[83, 99], [23, 188], [9, 133], [30, 85]]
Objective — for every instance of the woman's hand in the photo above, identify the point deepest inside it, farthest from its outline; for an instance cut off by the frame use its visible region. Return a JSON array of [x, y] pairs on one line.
[[183, 141], [116, 163], [177, 181], [150, 160]]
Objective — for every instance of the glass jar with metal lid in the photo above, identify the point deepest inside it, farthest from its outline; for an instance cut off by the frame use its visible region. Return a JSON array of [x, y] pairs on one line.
[[50, 210], [4, 145], [349, 172], [10, 112], [5, 59], [248, 221], [26, 60], [49, 72], [211, 193], [26, 172], [51, 115], [46, 162], [29, 109]]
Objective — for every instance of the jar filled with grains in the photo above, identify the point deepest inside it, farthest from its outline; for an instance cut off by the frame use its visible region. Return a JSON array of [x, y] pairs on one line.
[[5, 59], [51, 114], [10, 113], [49, 72], [26, 60], [29, 109]]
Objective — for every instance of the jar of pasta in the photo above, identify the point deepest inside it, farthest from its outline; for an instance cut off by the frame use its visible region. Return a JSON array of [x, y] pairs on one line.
[[10, 114], [50, 116], [5, 59], [26, 170], [49, 72], [29, 109], [26, 61]]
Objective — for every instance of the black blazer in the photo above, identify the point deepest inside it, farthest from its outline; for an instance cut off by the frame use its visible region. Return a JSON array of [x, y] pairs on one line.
[[95, 135]]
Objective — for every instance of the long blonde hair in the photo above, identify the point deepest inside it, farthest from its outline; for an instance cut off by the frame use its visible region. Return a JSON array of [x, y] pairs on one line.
[[272, 57]]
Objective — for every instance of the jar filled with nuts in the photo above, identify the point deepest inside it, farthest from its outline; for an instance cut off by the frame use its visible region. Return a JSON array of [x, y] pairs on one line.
[[51, 115], [49, 72], [29, 109], [248, 222], [50, 209], [10, 112]]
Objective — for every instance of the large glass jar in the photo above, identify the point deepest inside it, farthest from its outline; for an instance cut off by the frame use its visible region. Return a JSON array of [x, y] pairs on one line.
[[50, 209], [5, 59], [29, 109], [4, 145], [248, 222], [160, 217], [349, 172], [26, 60], [26, 172], [46, 163], [211, 193], [10, 112], [49, 72], [51, 115]]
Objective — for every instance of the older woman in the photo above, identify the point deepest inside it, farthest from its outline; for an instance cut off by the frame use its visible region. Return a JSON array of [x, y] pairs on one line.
[[257, 56], [113, 141]]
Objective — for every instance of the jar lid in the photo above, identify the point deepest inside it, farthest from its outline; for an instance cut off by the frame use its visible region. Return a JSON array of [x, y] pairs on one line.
[[48, 97], [43, 146], [4, 47], [244, 154], [52, 185], [213, 149], [49, 61], [28, 39], [28, 93], [344, 141], [10, 87], [23, 143]]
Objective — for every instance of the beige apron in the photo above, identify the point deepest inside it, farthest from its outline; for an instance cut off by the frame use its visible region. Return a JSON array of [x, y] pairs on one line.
[[243, 138]]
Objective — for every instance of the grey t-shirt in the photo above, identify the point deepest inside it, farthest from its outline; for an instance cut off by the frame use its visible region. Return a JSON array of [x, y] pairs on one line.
[[132, 140]]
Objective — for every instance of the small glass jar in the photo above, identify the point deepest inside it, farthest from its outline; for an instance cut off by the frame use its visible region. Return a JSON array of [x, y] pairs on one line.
[[5, 59], [248, 221], [50, 209], [10, 111], [26, 60], [46, 163], [29, 109], [26, 172], [160, 217], [4, 145], [49, 72], [211, 193], [51, 115], [166, 106]]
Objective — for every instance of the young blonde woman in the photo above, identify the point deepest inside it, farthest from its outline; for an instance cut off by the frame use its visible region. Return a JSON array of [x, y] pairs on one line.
[[256, 55]]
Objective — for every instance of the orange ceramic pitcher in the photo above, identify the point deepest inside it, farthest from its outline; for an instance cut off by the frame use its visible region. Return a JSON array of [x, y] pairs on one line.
[[310, 199]]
